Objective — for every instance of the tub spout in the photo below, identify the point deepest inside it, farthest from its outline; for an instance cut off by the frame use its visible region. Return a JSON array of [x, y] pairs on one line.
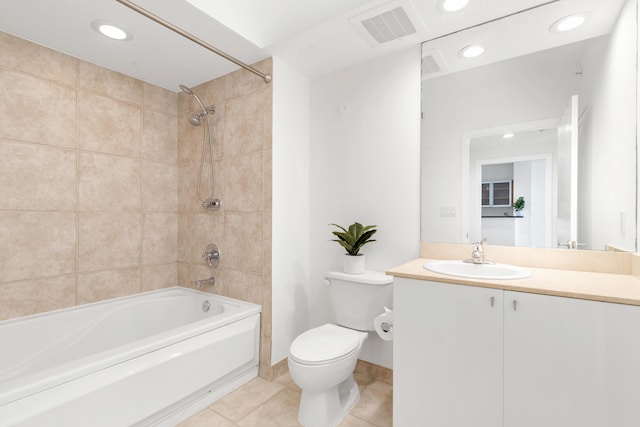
[[209, 282]]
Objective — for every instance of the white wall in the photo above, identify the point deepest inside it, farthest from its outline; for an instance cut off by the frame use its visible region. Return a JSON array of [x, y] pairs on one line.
[[364, 166], [290, 229], [611, 118]]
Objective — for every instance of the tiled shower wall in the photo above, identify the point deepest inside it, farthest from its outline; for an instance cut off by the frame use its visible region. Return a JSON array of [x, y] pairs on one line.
[[242, 227], [97, 185], [88, 182]]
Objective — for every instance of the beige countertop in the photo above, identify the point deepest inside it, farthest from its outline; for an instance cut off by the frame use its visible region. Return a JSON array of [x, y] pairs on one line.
[[597, 286]]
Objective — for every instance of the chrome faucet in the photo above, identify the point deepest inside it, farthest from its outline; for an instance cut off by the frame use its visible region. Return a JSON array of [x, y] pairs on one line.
[[212, 256], [210, 282], [477, 254]]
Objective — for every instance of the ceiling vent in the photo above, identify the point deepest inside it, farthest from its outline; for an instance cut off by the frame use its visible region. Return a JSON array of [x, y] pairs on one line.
[[433, 64], [390, 22]]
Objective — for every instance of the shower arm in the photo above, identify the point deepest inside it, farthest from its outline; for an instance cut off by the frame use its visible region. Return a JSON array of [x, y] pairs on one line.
[[266, 77]]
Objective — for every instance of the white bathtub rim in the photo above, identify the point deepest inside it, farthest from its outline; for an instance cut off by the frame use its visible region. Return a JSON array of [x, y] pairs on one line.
[[42, 380]]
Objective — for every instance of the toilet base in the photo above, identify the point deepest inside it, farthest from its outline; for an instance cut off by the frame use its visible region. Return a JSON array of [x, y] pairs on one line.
[[328, 408]]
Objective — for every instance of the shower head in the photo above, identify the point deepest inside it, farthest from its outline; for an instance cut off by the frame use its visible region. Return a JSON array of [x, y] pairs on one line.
[[195, 119], [188, 91]]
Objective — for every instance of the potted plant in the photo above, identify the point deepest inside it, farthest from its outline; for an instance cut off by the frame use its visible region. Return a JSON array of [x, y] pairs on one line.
[[518, 206], [353, 239]]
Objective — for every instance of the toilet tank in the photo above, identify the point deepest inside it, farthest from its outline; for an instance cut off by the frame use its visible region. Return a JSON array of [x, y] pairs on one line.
[[358, 298]]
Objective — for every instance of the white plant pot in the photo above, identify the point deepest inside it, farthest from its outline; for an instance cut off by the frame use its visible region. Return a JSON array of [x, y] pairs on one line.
[[354, 264]]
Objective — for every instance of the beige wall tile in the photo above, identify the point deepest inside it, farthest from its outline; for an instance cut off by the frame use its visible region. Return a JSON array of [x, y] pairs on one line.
[[36, 296], [108, 183], [189, 139], [242, 285], [266, 244], [266, 316], [109, 126], [36, 110], [22, 55], [36, 177], [159, 276], [243, 183], [159, 187], [110, 83], [243, 82], [188, 183], [160, 137], [183, 273], [160, 100], [202, 271], [184, 235], [267, 179], [206, 228], [103, 285], [159, 238], [265, 349], [36, 244], [267, 120], [109, 240], [243, 241], [212, 92], [244, 125]]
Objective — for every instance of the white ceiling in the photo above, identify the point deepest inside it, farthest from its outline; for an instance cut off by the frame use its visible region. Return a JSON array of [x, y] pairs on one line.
[[315, 36]]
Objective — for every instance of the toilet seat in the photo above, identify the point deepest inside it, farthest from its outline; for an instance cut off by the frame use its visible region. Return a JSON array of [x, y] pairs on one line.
[[325, 344]]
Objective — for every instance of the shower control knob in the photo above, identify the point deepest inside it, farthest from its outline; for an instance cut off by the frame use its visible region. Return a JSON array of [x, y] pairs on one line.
[[211, 204], [212, 255]]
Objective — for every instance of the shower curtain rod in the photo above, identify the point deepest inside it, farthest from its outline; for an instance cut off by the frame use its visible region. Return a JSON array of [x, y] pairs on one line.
[[266, 77]]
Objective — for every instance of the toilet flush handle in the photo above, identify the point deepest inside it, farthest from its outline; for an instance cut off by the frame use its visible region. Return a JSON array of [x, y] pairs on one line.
[[327, 282]]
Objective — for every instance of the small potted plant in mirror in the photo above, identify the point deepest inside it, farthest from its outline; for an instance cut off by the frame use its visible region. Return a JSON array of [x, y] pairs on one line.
[[518, 206], [353, 239]]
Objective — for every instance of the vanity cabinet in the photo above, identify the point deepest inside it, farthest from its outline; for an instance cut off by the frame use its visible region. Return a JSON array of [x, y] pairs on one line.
[[478, 357]]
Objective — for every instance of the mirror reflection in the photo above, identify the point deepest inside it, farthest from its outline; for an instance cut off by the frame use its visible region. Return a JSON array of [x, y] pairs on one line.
[[555, 128]]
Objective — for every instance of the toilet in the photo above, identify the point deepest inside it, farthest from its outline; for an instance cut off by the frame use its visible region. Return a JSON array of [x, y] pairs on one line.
[[322, 359]]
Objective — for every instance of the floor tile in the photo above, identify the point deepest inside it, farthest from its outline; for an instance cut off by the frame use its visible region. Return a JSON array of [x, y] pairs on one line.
[[376, 404], [206, 418], [351, 421], [275, 404], [245, 399], [279, 411]]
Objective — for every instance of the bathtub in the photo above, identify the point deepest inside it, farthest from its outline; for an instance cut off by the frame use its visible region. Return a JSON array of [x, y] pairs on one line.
[[148, 359]]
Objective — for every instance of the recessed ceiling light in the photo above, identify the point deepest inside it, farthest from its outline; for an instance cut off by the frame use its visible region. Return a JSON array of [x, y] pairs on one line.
[[471, 51], [569, 23], [452, 5], [108, 29], [508, 135]]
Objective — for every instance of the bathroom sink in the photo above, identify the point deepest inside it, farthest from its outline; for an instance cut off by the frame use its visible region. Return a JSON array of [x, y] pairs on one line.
[[478, 271]]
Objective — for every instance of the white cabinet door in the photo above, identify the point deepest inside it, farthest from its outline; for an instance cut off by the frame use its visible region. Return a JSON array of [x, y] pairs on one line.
[[447, 355], [570, 362]]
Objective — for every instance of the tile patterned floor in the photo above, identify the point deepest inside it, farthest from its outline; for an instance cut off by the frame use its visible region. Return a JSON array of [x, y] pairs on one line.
[[261, 403]]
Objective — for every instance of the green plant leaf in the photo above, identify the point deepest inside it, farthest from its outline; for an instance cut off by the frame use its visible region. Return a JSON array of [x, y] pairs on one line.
[[354, 237]]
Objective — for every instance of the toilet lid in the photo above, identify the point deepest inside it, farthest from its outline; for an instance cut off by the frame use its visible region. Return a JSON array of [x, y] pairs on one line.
[[325, 343]]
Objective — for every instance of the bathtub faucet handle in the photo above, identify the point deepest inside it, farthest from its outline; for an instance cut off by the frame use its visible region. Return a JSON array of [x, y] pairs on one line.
[[212, 255]]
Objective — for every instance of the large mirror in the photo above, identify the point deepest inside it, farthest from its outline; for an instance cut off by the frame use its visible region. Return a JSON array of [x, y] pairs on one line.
[[544, 117]]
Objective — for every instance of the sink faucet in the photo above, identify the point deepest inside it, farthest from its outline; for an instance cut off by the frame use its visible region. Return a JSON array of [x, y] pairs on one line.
[[477, 255]]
